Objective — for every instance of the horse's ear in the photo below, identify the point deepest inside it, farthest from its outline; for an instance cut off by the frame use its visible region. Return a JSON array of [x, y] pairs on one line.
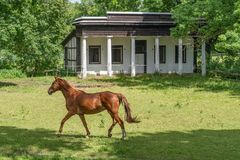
[[55, 77]]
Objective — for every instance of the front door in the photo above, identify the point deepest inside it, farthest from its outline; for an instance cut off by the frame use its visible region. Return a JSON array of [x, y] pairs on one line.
[[141, 56]]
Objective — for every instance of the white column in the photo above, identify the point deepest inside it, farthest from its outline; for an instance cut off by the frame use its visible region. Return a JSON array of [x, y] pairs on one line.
[[84, 56], [109, 55], [203, 59], [157, 54], [133, 69], [180, 50]]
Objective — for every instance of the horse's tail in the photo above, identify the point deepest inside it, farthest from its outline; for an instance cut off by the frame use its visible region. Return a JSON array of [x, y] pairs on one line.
[[128, 116]]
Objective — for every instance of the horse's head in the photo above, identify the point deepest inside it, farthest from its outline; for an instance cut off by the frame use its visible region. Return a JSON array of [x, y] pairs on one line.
[[56, 86]]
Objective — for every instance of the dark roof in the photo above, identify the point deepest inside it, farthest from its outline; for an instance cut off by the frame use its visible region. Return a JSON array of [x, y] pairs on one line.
[[125, 24], [128, 18], [69, 36]]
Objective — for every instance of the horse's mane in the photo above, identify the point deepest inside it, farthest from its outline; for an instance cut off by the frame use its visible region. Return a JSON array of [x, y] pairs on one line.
[[66, 85]]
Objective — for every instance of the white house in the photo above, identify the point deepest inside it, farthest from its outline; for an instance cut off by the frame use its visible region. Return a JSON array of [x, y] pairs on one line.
[[130, 43]]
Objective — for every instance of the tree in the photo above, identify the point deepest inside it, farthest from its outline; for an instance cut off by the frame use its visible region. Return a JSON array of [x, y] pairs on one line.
[[159, 5], [229, 42], [210, 19], [100, 7], [32, 32]]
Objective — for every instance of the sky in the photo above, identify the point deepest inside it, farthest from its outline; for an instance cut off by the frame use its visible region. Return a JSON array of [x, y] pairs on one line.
[[74, 0]]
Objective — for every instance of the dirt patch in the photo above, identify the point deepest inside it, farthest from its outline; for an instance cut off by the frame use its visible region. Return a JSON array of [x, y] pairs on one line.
[[94, 85]]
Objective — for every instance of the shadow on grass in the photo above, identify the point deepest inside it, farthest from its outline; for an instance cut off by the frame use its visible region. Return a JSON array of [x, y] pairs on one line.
[[157, 82], [193, 145], [19, 141], [6, 84]]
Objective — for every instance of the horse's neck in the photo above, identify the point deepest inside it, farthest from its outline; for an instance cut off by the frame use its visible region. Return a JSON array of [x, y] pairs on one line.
[[67, 90], [70, 92]]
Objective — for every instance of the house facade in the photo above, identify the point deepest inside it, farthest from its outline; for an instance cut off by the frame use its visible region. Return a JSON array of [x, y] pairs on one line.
[[129, 43]]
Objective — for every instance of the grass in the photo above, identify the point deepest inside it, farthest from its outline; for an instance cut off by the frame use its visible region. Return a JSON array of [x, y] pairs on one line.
[[188, 117]]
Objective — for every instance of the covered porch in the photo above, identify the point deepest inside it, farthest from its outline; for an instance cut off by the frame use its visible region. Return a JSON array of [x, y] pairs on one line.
[[129, 43]]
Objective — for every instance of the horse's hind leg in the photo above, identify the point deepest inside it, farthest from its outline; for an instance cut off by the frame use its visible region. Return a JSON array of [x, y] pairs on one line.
[[120, 122], [111, 127], [84, 124]]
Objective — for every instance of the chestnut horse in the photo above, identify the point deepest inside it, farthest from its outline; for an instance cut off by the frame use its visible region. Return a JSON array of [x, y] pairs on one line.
[[80, 103]]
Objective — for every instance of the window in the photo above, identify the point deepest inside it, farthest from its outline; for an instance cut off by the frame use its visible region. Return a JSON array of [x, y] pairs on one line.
[[162, 54], [117, 54], [140, 49], [94, 54], [184, 54], [71, 54], [140, 46]]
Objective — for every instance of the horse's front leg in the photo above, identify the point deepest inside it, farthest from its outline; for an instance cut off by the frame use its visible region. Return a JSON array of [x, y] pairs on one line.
[[84, 124], [67, 116]]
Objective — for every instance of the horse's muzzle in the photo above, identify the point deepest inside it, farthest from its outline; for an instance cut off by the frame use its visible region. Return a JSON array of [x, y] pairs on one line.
[[50, 91]]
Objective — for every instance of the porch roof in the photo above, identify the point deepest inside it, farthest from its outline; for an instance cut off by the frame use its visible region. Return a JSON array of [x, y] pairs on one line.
[[68, 37], [123, 24], [127, 18]]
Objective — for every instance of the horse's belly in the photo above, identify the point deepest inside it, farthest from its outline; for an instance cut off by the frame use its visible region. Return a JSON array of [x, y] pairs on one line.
[[92, 110]]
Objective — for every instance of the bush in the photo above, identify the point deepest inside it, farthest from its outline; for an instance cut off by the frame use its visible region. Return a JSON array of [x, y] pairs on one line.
[[11, 73], [225, 66], [228, 64]]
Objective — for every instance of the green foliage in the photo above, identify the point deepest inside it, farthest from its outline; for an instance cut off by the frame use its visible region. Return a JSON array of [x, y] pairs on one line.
[[158, 5], [219, 16], [221, 19], [11, 73], [229, 42], [152, 5], [100, 7], [32, 32], [7, 59], [227, 64]]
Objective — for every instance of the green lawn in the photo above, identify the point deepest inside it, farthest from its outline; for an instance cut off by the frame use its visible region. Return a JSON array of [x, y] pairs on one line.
[[182, 118]]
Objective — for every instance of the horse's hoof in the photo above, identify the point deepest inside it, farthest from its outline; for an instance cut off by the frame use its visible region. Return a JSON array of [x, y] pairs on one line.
[[58, 134], [87, 136], [124, 137], [109, 135]]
